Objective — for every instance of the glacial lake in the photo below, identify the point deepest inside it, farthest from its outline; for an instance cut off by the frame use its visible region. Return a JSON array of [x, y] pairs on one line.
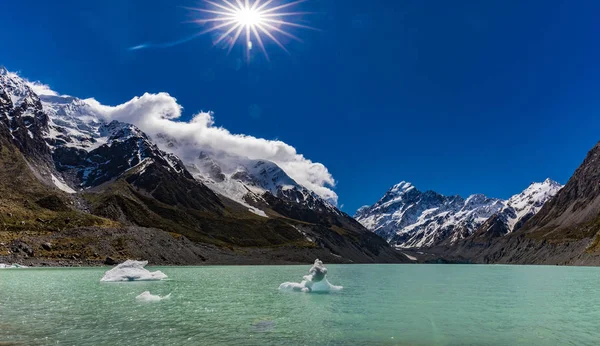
[[237, 305]]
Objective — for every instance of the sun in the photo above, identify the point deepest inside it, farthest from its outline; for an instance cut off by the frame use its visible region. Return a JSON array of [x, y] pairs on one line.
[[248, 17], [250, 20]]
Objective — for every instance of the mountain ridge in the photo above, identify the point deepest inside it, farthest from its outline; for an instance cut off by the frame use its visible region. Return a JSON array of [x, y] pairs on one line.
[[113, 173], [407, 217]]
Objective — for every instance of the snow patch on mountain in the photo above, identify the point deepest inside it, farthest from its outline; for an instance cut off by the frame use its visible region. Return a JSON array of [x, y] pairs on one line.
[[521, 207], [242, 179], [407, 217], [61, 185]]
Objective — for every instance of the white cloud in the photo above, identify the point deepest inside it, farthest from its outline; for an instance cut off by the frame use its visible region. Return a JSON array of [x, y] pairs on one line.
[[41, 89], [160, 113]]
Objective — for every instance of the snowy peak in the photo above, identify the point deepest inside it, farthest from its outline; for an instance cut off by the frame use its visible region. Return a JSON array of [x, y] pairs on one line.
[[244, 180], [535, 194], [22, 118], [521, 207], [407, 217], [265, 175], [3, 71], [17, 89], [401, 188], [118, 131]]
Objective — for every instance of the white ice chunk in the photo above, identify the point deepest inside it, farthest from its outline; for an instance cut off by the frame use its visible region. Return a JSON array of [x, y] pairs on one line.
[[149, 297], [315, 281], [132, 271], [11, 266]]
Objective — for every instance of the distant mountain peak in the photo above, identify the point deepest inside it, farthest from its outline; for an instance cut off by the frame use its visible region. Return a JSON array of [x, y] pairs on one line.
[[549, 181], [408, 217], [402, 187], [3, 70]]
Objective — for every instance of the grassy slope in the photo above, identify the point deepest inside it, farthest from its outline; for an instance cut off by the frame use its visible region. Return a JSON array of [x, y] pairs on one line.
[[28, 208], [33, 213]]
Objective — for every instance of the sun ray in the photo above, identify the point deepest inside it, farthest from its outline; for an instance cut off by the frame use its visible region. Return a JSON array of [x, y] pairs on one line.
[[283, 22], [235, 38], [209, 20], [273, 9], [287, 14], [214, 12], [254, 5], [283, 32], [264, 5], [229, 9], [218, 27], [235, 9], [222, 37], [266, 32], [260, 42]]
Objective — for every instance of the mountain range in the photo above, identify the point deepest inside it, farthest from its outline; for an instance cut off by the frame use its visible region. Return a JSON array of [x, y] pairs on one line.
[[79, 188], [545, 224], [409, 218]]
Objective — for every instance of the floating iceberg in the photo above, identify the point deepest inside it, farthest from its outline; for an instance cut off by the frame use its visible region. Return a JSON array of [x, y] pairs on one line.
[[149, 297], [315, 281], [132, 271]]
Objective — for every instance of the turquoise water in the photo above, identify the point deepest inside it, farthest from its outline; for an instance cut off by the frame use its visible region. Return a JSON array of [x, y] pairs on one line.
[[380, 304]]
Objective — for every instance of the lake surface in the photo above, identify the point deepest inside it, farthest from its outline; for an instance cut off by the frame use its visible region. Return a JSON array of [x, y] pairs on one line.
[[380, 304]]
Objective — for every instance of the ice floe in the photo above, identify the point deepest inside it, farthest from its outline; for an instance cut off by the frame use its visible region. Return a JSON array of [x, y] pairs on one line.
[[315, 281], [11, 266], [131, 270], [149, 297]]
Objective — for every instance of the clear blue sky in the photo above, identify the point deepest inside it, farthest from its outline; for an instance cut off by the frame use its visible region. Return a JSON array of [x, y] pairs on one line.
[[456, 96]]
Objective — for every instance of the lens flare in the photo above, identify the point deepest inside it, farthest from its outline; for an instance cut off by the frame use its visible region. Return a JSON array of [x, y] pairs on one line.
[[252, 19]]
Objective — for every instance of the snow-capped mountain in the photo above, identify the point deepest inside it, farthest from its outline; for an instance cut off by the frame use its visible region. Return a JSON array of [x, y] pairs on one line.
[[24, 120], [244, 180], [114, 175], [88, 151], [407, 217], [521, 207]]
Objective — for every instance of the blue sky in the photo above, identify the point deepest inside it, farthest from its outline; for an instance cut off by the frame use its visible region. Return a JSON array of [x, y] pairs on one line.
[[456, 96]]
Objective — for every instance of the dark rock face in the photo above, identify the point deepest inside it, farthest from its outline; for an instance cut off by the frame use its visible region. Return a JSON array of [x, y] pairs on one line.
[[577, 204], [175, 188], [21, 247], [24, 123], [126, 148], [564, 231]]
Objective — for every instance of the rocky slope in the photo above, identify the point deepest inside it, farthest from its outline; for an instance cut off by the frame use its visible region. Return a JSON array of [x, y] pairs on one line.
[[563, 232], [409, 218], [112, 176]]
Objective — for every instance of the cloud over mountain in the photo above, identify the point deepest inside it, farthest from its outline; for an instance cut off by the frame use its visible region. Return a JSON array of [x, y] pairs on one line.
[[161, 114]]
